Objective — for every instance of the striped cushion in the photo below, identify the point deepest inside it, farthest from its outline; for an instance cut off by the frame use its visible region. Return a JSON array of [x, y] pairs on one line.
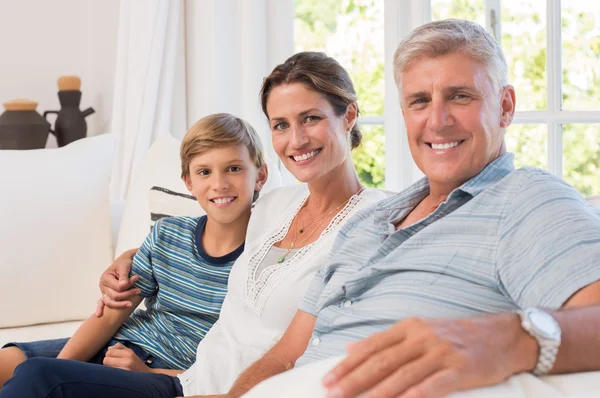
[[167, 203]]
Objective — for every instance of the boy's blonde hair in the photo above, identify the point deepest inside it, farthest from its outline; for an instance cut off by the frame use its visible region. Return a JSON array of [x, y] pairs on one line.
[[216, 131]]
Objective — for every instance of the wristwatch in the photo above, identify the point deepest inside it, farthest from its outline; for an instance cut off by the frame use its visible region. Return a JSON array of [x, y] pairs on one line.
[[544, 328]]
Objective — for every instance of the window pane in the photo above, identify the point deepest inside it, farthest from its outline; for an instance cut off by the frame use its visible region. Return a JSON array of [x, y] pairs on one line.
[[581, 55], [471, 10], [523, 27], [581, 157], [351, 31], [528, 142], [369, 157]]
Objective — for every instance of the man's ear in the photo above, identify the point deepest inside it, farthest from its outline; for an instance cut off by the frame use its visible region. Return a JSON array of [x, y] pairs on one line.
[[188, 182], [261, 177], [508, 103], [350, 116]]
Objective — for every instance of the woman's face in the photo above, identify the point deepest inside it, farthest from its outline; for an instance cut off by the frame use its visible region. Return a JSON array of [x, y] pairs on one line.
[[309, 138]]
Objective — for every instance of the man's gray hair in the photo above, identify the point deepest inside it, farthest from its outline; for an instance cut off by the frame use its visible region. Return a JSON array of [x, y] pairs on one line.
[[443, 37]]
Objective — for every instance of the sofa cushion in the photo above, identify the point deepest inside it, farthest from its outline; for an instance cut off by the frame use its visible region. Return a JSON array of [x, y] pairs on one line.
[[55, 230], [160, 167]]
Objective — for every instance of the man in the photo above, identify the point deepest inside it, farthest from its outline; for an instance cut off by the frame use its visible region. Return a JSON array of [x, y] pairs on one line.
[[438, 288]]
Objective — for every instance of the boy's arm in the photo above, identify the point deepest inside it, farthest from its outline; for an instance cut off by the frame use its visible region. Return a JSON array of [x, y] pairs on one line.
[[96, 332], [281, 357]]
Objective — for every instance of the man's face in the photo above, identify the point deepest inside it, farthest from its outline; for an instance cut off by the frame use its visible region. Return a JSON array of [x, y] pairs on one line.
[[454, 119]]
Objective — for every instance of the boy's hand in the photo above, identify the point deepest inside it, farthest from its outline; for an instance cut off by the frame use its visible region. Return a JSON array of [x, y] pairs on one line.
[[116, 285], [119, 356]]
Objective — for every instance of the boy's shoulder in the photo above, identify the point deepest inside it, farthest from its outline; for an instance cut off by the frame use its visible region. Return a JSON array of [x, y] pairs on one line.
[[178, 224]]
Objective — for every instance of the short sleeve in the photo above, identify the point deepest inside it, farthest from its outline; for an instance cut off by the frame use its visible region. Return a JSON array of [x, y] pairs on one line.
[[309, 303], [549, 244], [142, 263]]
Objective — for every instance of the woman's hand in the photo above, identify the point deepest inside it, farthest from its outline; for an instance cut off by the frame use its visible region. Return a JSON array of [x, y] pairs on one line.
[[116, 285], [119, 356]]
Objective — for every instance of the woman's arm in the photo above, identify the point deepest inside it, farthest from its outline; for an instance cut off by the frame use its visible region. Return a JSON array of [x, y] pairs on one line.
[[96, 332], [116, 285]]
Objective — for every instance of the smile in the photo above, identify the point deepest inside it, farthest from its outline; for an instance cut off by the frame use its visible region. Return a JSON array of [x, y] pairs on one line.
[[305, 156], [446, 145], [224, 200]]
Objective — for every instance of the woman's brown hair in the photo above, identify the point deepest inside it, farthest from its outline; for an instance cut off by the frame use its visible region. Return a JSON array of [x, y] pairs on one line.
[[319, 73]]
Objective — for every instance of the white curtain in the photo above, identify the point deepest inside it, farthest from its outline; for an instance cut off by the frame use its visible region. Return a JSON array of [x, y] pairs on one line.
[[231, 45], [149, 93]]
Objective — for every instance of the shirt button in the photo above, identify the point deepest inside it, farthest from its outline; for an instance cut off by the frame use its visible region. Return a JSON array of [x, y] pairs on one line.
[[315, 341], [347, 303]]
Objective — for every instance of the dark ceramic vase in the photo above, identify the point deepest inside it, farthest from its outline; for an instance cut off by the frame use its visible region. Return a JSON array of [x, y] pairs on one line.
[[70, 122], [21, 127]]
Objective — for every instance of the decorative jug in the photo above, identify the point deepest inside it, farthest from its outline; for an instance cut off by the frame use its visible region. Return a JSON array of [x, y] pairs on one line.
[[70, 122], [21, 127]]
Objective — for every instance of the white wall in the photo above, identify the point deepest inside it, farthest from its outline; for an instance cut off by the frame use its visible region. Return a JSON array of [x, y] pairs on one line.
[[41, 40]]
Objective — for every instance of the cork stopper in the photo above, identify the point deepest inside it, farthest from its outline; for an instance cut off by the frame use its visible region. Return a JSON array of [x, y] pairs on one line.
[[69, 83], [20, 105]]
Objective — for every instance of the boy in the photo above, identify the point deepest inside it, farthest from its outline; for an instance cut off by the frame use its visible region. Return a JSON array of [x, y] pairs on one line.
[[182, 266]]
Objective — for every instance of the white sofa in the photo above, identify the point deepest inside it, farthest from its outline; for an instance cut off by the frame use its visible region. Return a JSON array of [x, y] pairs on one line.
[[59, 230]]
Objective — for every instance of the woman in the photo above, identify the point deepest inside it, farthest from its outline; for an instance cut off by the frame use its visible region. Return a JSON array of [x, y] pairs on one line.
[[311, 106]]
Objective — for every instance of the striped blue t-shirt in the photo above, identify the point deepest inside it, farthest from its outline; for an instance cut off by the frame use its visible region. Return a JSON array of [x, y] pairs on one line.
[[184, 289], [505, 240]]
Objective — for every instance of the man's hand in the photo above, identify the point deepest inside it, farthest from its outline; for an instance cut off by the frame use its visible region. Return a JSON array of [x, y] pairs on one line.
[[116, 285], [433, 358], [119, 356]]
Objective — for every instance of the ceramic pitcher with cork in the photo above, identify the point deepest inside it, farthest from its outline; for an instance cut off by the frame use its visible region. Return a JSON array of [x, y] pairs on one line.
[[70, 122]]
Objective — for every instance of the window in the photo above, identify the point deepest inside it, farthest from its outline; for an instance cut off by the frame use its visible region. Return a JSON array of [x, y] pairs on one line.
[[351, 31], [552, 48]]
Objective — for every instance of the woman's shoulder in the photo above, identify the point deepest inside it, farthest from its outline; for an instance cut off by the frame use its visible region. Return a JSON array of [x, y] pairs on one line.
[[281, 197]]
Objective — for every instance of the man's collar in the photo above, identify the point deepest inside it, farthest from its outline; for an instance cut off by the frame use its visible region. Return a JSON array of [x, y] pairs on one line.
[[492, 173]]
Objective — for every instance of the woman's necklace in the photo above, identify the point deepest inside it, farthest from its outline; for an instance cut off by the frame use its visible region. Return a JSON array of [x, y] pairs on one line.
[[300, 235]]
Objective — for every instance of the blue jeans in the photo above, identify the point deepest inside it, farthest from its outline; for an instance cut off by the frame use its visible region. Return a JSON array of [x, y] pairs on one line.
[[61, 378], [51, 349]]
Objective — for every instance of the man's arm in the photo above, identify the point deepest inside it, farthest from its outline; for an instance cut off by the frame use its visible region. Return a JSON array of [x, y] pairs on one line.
[[96, 332], [437, 357], [280, 358]]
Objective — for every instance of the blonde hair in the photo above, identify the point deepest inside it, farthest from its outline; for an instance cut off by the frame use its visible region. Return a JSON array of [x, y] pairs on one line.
[[444, 37], [216, 131]]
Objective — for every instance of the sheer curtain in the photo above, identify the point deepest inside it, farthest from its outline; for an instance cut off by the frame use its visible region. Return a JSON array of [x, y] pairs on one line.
[[231, 45], [149, 91]]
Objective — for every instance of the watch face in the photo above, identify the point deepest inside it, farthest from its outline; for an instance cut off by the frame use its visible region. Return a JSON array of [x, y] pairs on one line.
[[544, 324]]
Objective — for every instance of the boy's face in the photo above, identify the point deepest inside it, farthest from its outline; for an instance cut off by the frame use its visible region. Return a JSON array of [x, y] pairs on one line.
[[223, 180]]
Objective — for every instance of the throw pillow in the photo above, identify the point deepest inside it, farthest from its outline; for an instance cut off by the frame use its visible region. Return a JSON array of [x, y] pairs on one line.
[[55, 230]]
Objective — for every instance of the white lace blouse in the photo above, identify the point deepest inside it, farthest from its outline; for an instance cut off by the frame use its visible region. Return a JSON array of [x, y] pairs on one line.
[[259, 306]]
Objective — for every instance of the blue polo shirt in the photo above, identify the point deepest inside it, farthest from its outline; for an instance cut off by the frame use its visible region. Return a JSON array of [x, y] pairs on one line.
[[504, 240]]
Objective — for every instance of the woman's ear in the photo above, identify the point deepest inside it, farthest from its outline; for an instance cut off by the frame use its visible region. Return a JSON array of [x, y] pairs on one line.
[[261, 177], [350, 116]]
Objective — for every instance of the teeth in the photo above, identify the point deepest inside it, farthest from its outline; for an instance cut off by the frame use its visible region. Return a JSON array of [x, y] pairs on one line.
[[305, 156], [222, 200], [445, 146]]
